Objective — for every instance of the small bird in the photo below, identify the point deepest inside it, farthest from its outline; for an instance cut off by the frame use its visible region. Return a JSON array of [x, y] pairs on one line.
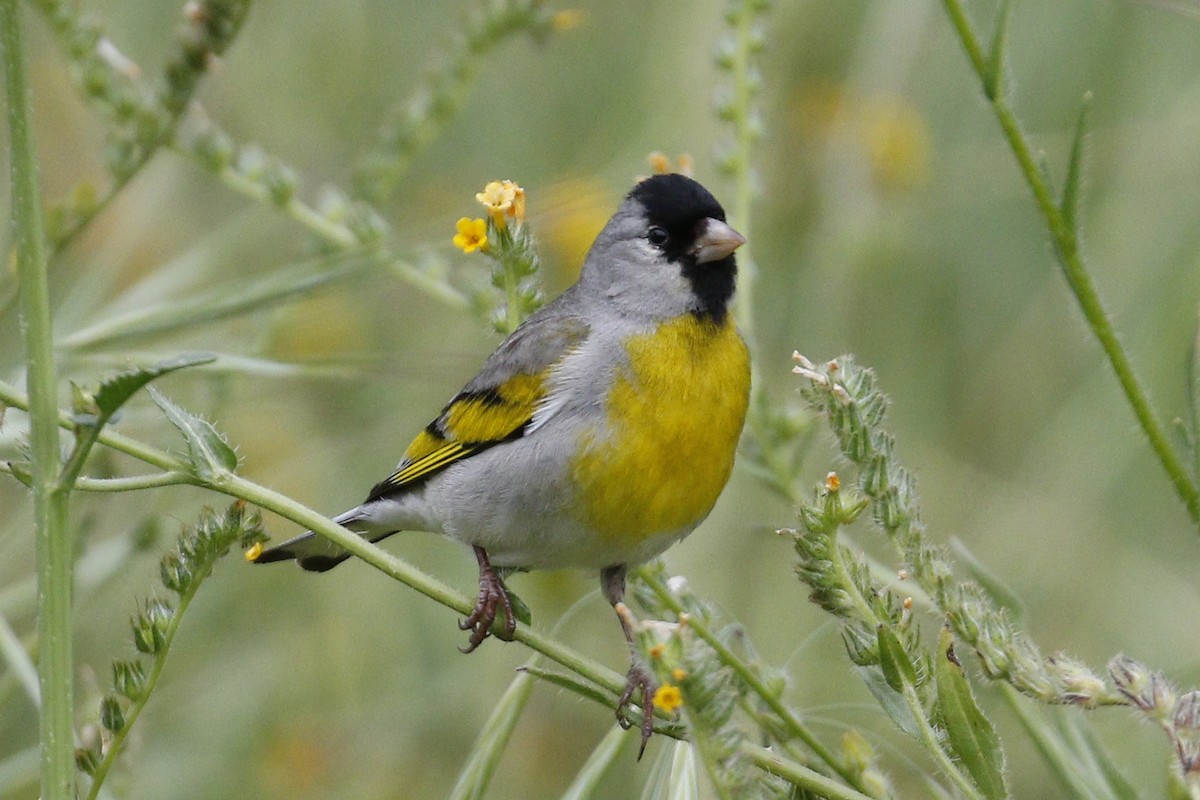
[[599, 433]]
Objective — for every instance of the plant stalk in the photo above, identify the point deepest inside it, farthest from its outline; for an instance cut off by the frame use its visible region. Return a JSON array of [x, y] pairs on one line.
[[1066, 243], [799, 775], [53, 537], [743, 172], [409, 575], [117, 746]]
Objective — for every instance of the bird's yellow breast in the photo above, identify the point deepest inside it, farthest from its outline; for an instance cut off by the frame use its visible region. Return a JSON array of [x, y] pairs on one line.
[[675, 414]]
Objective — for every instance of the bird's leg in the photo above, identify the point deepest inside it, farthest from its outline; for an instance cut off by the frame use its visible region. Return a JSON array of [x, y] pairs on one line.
[[639, 677], [493, 595]]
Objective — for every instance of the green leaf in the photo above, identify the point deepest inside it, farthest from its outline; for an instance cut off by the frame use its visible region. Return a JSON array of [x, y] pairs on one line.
[[993, 80], [1069, 204], [207, 451], [93, 411], [115, 391], [898, 669], [256, 295], [572, 684], [891, 701], [968, 731], [677, 774], [21, 471]]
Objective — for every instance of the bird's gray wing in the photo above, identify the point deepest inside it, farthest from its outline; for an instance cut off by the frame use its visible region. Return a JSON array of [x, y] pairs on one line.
[[498, 404]]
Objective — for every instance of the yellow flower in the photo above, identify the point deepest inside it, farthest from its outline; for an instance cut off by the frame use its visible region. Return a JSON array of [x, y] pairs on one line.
[[517, 211], [668, 698], [472, 235], [678, 674], [495, 197], [503, 199], [657, 651]]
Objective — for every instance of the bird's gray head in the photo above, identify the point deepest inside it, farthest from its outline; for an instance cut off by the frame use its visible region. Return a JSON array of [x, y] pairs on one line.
[[667, 251]]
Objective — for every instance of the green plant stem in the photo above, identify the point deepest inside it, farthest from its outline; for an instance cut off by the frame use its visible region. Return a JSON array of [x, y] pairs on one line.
[[743, 174], [1062, 762], [494, 737], [925, 732], [140, 451], [709, 756], [54, 551], [1066, 243], [929, 739], [113, 751], [799, 775], [747, 674], [865, 612], [435, 287], [512, 311], [409, 575], [442, 94], [12, 397], [335, 233], [505, 251], [133, 483]]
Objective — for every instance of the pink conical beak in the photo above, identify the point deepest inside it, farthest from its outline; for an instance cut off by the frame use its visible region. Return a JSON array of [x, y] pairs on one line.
[[717, 241]]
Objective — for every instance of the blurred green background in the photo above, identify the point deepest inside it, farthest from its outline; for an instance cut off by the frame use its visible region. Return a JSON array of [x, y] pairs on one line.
[[891, 222]]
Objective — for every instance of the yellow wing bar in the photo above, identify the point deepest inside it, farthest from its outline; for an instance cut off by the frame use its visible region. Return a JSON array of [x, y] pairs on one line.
[[435, 460], [473, 421]]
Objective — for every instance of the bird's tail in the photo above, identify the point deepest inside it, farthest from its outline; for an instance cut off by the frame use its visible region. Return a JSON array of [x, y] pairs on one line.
[[318, 554]]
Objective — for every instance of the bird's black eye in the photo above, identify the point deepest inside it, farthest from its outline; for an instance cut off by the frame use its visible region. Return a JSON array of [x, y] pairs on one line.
[[657, 236]]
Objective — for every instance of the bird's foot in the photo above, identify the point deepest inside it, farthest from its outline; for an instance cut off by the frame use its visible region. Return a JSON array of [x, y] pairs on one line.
[[493, 596], [638, 680]]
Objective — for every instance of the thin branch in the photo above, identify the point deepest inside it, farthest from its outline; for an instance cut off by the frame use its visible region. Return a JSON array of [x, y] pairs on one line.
[[1066, 243]]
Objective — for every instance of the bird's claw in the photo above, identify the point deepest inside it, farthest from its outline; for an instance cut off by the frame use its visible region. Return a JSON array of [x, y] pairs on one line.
[[638, 679], [493, 595]]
